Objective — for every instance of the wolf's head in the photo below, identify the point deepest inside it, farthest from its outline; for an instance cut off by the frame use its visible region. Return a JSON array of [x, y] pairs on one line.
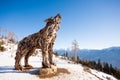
[[54, 21]]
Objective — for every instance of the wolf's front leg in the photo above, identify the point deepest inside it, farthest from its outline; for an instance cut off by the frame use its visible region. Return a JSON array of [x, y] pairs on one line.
[[45, 63]]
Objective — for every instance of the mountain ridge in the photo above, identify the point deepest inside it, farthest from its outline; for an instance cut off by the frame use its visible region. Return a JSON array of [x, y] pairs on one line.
[[110, 55]]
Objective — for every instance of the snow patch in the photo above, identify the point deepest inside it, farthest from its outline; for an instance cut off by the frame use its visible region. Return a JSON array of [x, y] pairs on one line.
[[77, 71]]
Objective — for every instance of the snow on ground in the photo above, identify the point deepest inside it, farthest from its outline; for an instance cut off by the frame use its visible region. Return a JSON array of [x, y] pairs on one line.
[[77, 71]]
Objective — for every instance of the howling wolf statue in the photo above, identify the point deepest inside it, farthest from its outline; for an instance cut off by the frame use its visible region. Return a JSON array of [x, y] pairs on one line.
[[44, 40]]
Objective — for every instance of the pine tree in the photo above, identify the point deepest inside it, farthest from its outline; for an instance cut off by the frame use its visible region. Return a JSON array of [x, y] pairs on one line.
[[78, 58], [111, 69], [99, 65], [66, 55], [106, 68]]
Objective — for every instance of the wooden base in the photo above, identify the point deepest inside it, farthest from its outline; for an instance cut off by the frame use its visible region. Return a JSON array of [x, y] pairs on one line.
[[48, 71]]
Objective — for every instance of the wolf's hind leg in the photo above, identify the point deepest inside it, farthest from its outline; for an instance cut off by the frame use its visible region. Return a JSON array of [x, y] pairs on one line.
[[27, 65], [18, 60]]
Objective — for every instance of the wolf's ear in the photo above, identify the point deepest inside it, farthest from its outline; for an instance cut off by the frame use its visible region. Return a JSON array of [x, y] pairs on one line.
[[49, 20]]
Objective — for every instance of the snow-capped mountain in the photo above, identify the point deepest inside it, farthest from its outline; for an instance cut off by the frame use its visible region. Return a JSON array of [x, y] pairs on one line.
[[76, 71]]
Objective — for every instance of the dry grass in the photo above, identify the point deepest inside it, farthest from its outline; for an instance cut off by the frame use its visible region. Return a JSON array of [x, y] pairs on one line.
[[59, 70], [87, 69], [2, 48]]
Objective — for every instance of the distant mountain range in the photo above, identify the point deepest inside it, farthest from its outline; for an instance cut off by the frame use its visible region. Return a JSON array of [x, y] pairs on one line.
[[110, 55]]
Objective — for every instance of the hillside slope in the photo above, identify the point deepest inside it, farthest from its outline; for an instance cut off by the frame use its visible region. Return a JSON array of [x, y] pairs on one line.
[[77, 71]]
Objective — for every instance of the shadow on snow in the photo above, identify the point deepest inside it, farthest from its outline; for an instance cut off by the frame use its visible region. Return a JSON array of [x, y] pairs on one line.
[[10, 69]]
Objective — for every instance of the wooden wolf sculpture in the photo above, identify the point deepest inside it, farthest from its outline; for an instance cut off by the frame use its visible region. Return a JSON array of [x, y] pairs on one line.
[[44, 40]]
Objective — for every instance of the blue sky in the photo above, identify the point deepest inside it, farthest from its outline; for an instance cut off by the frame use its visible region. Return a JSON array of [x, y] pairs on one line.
[[95, 24]]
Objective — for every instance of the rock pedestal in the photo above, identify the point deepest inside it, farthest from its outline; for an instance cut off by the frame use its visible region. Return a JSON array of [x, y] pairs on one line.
[[44, 72]]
